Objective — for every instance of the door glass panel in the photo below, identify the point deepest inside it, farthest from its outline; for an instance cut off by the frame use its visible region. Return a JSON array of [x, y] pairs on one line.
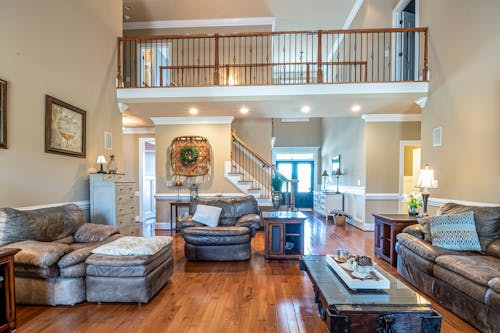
[[286, 170], [304, 176]]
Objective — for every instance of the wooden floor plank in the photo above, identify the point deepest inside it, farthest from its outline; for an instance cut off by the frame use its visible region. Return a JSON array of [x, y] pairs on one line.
[[253, 296]]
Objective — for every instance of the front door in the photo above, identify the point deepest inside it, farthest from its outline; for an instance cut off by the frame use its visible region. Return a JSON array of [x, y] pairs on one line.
[[303, 171]]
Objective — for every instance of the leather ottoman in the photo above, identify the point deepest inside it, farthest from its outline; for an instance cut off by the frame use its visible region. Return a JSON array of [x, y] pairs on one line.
[[217, 244], [126, 278]]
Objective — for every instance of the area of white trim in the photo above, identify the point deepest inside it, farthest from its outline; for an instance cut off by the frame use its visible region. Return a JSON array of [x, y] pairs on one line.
[[421, 101], [191, 120], [440, 201], [399, 8], [377, 118], [172, 196], [138, 130], [122, 107], [294, 120], [223, 22], [382, 196], [228, 93], [84, 204], [361, 225]]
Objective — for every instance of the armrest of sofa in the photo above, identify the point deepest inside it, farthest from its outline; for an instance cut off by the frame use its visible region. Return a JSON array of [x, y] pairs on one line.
[[187, 222], [415, 230], [91, 232], [251, 221], [493, 249]]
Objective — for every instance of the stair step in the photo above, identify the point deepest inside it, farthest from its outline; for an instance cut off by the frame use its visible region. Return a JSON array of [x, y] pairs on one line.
[[234, 174], [244, 182], [254, 189]]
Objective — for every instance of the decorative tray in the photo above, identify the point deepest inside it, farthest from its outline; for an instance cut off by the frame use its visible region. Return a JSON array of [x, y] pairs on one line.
[[375, 280]]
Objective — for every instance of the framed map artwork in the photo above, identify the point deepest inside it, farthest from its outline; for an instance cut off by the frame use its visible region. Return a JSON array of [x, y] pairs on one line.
[[65, 127]]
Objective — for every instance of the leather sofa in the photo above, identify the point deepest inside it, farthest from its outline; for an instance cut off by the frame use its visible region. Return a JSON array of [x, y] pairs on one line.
[[50, 269], [230, 239], [467, 283]]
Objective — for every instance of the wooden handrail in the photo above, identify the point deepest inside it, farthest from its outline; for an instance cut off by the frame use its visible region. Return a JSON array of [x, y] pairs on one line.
[[247, 147]]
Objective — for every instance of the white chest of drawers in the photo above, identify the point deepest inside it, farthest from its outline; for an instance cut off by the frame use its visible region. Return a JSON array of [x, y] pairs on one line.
[[112, 202]]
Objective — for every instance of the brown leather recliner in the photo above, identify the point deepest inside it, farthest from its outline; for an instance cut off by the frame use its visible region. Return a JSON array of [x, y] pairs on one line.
[[230, 240]]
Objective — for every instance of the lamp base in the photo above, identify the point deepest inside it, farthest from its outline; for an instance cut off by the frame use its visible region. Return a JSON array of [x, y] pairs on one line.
[[425, 199], [101, 170]]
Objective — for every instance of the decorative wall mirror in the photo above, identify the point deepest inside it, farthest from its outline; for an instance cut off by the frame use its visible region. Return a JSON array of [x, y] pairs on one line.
[[3, 114]]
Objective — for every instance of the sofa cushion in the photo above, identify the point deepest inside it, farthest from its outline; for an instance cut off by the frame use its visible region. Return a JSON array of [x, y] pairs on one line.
[[455, 232], [207, 215], [22, 270], [425, 223], [217, 236], [40, 254], [44, 225], [480, 269], [90, 232], [426, 249], [493, 249], [415, 230], [495, 284], [133, 246], [232, 208], [65, 240], [74, 271], [487, 220], [458, 282], [119, 261], [81, 251]]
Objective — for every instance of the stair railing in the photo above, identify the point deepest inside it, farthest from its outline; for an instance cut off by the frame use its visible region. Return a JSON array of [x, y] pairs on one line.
[[257, 170]]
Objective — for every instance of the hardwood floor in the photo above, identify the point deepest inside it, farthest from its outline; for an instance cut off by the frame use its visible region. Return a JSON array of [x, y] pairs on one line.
[[252, 296]]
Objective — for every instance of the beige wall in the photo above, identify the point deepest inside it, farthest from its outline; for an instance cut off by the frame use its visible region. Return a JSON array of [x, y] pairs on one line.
[[382, 153], [65, 49], [256, 133], [464, 99], [345, 136], [374, 14], [131, 154], [300, 134]]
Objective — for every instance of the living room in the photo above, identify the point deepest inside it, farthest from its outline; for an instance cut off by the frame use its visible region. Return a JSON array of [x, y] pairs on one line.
[[69, 51]]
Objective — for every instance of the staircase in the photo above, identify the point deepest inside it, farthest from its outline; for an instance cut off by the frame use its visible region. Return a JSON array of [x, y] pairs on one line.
[[249, 172]]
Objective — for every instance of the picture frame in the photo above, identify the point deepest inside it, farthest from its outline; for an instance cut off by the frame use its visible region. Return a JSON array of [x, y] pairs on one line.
[[3, 114], [65, 128]]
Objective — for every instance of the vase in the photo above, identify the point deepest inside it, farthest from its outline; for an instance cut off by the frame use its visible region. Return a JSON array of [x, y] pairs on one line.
[[112, 166], [412, 210], [276, 198]]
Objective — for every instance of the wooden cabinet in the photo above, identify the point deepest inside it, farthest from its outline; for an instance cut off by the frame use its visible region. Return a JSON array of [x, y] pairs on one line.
[[7, 290], [112, 202], [387, 226], [284, 234], [323, 202]]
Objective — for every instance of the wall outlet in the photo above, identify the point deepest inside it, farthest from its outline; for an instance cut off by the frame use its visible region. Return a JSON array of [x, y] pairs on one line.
[[359, 182], [169, 183]]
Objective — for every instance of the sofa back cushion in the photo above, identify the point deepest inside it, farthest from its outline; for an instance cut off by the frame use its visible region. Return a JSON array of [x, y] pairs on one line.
[[487, 220], [232, 208], [44, 225]]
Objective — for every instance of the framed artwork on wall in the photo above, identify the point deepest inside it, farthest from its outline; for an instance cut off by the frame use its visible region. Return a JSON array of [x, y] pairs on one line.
[[65, 127], [3, 114]]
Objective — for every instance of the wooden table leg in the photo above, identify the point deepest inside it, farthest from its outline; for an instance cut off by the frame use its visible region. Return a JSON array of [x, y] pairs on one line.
[[171, 219]]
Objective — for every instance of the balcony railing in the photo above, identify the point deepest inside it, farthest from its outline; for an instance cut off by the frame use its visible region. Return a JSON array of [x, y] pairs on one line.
[[274, 58]]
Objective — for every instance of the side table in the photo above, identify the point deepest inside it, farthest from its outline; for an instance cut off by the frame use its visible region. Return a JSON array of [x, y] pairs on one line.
[[284, 234], [387, 226], [175, 205], [7, 290]]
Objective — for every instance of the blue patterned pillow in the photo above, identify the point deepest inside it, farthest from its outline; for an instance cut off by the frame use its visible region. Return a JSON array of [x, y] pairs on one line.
[[455, 232]]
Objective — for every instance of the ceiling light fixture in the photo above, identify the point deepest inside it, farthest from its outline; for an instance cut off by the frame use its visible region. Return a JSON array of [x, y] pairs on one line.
[[305, 109], [193, 111], [355, 108], [244, 110]]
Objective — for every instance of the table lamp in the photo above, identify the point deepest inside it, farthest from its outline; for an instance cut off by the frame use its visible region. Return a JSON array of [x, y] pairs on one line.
[[337, 174], [426, 181], [325, 176], [101, 161]]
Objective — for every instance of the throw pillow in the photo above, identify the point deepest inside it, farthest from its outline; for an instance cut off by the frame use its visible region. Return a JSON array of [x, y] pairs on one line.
[[455, 232], [208, 215], [425, 223]]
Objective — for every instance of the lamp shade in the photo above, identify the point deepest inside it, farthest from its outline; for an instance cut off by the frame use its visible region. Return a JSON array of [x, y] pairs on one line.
[[324, 174], [101, 159], [426, 178]]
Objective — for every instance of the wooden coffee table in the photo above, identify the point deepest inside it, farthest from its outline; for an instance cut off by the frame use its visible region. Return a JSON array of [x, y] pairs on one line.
[[394, 310]]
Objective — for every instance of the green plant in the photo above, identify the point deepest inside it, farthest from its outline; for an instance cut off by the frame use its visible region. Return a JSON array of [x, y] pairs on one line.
[[189, 155], [413, 200], [276, 182]]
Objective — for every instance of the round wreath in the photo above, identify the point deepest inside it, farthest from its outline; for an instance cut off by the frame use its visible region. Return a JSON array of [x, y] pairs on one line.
[[189, 155]]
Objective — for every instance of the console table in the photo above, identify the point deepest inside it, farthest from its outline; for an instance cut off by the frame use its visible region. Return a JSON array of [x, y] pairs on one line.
[[387, 226], [175, 205], [284, 234], [7, 290]]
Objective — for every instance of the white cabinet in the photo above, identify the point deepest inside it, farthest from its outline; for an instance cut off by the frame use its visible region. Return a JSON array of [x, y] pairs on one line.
[[112, 202], [323, 202]]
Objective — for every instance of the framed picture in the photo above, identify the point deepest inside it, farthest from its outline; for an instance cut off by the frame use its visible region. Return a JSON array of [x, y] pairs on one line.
[[3, 114], [65, 127]]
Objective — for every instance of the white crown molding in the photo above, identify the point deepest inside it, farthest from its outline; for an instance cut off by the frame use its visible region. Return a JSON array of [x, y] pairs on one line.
[[441, 201], [382, 196], [225, 22], [138, 130], [422, 101], [374, 118], [294, 120], [191, 120]]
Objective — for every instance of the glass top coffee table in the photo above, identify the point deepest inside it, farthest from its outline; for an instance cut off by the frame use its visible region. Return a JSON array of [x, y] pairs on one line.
[[397, 309]]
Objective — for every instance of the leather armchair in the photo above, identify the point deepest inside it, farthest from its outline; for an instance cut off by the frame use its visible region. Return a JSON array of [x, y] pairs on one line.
[[230, 240]]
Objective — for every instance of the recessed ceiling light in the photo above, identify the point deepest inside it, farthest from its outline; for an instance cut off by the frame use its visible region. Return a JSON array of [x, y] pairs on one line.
[[355, 108], [305, 109], [244, 110], [193, 111]]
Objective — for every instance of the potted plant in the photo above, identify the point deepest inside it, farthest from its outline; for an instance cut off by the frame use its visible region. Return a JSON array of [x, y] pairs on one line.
[[276, 184], [414, 201]]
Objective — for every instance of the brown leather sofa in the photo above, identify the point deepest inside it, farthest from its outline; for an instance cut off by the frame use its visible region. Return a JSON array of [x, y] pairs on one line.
[[230, 240], [466, 283]]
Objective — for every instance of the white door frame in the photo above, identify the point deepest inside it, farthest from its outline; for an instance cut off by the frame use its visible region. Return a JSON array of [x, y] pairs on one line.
[[142, 142], [402, 145], [396, 17]]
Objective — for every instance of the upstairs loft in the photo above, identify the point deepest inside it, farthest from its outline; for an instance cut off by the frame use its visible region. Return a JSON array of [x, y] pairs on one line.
[[291, 58]]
